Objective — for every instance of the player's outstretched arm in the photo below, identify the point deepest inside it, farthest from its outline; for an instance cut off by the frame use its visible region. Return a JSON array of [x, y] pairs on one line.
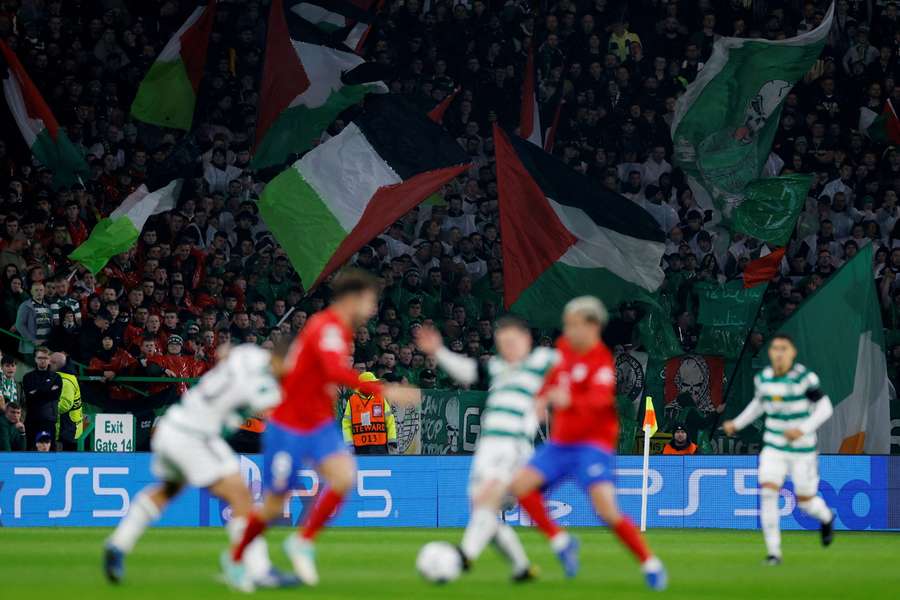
[[750, 413], [461, 368], [398, 394]]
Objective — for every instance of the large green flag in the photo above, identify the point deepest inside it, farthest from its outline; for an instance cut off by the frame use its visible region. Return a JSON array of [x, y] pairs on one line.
[[727, 312], [839, 335], [727, 118], [771, 206]]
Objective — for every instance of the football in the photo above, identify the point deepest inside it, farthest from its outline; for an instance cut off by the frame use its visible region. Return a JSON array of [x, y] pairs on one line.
[[439, 562]]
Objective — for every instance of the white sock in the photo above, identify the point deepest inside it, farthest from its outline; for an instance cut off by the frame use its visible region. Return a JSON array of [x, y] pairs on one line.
[[256, 555], [133, 525], [651, 565], [559, 541], [771, 520], [509, 544], [817, 509], [481, 529]]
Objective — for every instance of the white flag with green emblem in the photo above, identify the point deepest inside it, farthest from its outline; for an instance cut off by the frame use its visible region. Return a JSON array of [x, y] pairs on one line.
[[727, 118]]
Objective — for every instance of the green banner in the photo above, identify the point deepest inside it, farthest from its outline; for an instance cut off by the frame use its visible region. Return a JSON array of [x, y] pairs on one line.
[[450, 421], [771, 206], [727, 312]]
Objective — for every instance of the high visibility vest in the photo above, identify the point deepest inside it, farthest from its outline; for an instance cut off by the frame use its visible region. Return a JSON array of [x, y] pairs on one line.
[[367, 420], [70, 423], [689, 449]]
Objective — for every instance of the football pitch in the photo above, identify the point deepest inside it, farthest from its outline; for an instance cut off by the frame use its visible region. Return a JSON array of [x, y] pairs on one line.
[[373, 564]]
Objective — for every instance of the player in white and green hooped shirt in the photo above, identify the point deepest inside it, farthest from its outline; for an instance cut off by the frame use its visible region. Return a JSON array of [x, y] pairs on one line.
[[508, 425], [795, 407]]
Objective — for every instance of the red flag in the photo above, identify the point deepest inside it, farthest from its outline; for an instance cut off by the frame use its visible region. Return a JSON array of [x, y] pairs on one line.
[[530, 115], [436, 114], [763, 270], [550, 138]]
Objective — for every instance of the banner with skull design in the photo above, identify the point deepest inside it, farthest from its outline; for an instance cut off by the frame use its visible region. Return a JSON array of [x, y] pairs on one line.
[[694, 380]]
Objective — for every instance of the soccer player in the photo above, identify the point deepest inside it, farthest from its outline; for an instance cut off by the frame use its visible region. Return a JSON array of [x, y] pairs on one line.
[[303, 430], [508, 425], [795, 407], [188, 449], [581, 391]]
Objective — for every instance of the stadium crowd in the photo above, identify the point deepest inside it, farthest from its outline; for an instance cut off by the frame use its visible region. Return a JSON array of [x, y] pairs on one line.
[[209, 272]]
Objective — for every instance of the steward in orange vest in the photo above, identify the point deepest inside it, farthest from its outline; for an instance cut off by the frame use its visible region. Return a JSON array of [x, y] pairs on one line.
[[681, 443], [369, 423]]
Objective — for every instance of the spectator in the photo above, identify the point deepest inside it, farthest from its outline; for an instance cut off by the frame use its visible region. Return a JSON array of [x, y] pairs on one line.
[[41, 388], [12, 429], [33, 320], [43, 442], [9, 389]]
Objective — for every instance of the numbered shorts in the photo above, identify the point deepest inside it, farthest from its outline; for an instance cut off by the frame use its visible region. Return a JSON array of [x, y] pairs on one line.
[[286, 451], [180, 456], [802, 467], [498, 459], [586, 463]]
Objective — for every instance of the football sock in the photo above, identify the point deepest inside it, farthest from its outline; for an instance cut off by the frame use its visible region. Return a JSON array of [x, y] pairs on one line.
[[631, 537], [770, 520], [533, 503], [321, 512], [142, 512], [256, 555], [481, 529], [817, 509], [253, 528], [510, 546]]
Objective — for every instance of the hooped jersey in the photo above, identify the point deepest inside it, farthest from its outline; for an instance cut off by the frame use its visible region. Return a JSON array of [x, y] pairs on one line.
[[787, 401], [240, 385]]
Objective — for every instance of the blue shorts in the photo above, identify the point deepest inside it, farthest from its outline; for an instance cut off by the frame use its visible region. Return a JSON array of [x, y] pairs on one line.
[[286, 451], [586, 463]]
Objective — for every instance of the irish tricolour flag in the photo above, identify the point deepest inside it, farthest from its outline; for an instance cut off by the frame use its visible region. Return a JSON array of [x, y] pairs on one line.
[[120, 231], [848, 356], [564, 236], [168, 93], [308, 80], [346, 191], [45, 138]]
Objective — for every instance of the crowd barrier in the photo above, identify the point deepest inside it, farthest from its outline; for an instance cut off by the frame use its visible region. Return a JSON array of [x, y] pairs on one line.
[[87, 489]]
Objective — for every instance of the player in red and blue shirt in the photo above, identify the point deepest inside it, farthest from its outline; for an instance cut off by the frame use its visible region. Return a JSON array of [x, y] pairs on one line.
[[581, 390], [303, 431]]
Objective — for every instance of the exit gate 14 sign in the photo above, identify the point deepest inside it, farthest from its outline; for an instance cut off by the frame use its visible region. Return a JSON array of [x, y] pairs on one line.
[[113, 433]]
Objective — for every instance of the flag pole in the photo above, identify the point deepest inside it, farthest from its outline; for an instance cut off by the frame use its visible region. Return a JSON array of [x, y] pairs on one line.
[[645, 477]]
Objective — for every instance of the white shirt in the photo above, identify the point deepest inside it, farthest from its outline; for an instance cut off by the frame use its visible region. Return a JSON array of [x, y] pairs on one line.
[[653, 169], [243, 382]]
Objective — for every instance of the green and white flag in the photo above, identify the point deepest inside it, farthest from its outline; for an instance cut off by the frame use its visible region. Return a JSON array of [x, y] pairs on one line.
[[840, 336], [726, 314], [119, 232], [168, 93], [771, 206], [727, 118]]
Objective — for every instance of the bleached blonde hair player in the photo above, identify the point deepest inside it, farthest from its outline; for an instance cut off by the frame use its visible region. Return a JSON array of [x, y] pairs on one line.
[[508, 425], [795, 407]]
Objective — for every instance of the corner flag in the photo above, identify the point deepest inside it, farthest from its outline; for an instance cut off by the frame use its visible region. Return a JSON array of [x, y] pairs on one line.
[[650, 417]]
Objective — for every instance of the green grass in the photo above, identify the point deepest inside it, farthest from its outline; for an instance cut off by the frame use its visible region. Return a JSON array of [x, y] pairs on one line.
[[370, 564]]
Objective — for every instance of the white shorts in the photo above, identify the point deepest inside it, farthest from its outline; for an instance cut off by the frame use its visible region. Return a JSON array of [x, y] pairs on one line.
[[498, 459], [180, 456], [803, 468]]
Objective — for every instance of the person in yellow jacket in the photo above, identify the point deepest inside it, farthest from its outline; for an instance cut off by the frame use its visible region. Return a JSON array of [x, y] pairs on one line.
[[70, 419], [369, 424]]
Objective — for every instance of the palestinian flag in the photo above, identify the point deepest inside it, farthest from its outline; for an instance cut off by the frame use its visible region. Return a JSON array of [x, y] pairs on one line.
[[120, 231], [564, 236], [764, 269], [883, 128], [436, 114], [308, 80], [348, 22], [45, 138], [168, 93], [530, 113], [848, 355], [348, 190]]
